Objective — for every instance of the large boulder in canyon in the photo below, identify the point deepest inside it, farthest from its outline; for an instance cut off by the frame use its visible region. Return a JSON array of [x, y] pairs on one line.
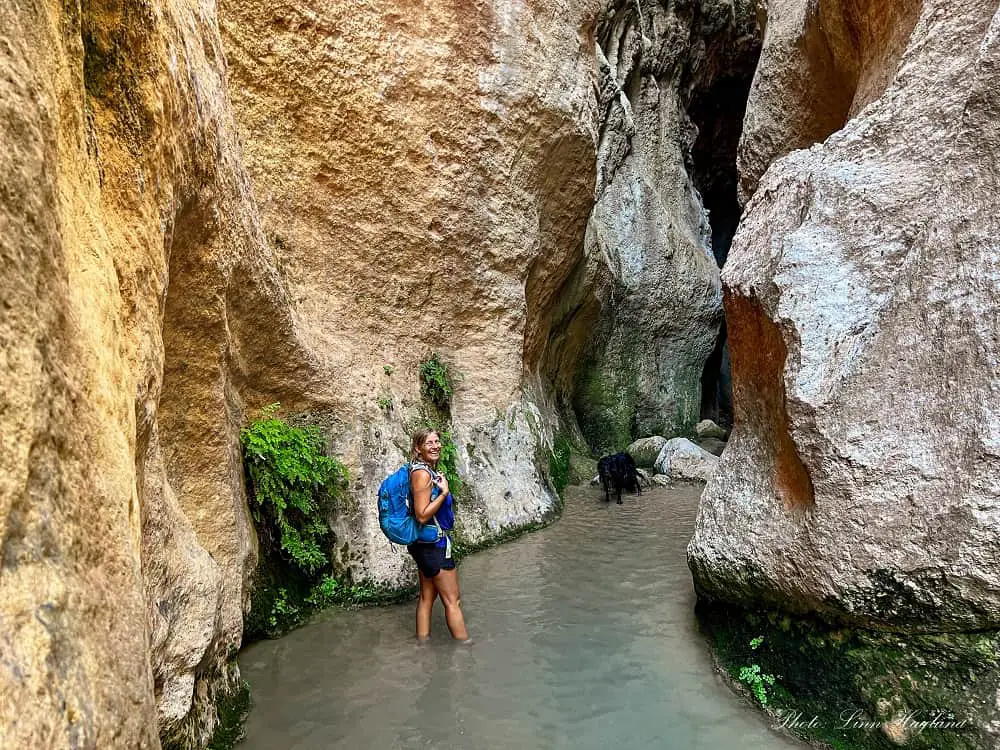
[[644, 451], [862, 479], [683, 460]]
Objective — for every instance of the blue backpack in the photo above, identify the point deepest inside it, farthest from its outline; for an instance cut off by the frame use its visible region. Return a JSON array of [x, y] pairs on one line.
[[395, 513]]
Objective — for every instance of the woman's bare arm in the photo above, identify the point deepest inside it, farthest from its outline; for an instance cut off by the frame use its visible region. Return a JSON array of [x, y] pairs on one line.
[[423, 507]]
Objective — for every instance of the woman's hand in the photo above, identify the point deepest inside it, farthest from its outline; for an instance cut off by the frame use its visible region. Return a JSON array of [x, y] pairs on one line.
[[442, 483]]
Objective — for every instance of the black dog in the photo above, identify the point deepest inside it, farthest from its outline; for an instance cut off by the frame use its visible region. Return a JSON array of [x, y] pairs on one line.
[[618, 472]]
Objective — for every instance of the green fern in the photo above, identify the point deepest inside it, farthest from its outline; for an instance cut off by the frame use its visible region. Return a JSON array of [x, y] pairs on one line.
[[754, 678], [436, 382], [292, 482]]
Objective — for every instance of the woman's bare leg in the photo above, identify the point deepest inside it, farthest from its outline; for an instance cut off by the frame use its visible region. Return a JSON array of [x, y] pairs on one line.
[[446, 583], [428, 593]]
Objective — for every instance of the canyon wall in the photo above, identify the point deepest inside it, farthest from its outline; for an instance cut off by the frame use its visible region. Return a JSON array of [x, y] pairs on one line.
[[423, 183], [207, 210], [126, 218], [424, 179], [649, 264], [851, 526], [861, 297]]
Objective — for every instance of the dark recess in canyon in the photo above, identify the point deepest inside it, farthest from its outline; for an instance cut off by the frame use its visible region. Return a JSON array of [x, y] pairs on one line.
[[717, 111]]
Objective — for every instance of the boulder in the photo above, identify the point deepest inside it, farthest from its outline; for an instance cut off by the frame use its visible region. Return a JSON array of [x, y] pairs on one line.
[[712, 445], [682, 459], [706, 428], [645, 450], [580, 468]]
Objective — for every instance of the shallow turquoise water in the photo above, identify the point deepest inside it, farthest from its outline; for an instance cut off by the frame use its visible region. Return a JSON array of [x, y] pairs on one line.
[[585, 637]]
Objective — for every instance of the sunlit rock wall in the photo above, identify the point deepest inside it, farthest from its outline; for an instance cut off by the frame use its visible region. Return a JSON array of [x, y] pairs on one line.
[[425, 178], [126, 222], [861, 295]]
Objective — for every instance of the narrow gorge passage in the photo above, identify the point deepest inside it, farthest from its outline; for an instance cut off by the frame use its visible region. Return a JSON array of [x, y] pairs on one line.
[[585, 637], [718, 111]]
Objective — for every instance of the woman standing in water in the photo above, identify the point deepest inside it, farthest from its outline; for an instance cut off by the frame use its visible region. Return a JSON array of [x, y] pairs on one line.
[[432, 504]]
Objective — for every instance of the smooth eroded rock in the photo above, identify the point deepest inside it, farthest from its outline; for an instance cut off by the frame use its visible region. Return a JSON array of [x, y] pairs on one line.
[[862, 478], [706, 428], [645, 450], [649, 259], [682, 459]]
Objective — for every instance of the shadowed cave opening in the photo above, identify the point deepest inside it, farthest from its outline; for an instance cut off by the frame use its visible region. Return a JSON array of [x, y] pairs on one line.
[[717, 111]]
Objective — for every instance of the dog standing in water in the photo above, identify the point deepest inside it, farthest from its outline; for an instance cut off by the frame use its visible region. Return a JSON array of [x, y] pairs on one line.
[[618, 472]]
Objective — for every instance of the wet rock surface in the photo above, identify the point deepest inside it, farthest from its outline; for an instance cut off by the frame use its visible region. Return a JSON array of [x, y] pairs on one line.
[[861, 688]]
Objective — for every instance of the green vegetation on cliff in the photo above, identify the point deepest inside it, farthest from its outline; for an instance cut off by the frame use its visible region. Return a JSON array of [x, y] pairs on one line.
[[293, 482], [232, 708], [294, 488], [436, 382]]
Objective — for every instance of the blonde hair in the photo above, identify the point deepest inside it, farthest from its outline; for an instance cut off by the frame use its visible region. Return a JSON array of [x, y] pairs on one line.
[[419, 438]]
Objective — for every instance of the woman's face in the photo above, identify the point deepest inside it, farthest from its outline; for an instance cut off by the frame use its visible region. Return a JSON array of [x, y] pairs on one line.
[[430, 449]]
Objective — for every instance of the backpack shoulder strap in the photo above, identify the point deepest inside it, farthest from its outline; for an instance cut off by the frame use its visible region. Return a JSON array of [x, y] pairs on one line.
[[415, 465]]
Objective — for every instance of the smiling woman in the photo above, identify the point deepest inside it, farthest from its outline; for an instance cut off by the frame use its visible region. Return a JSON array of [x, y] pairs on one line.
[[432, 504]]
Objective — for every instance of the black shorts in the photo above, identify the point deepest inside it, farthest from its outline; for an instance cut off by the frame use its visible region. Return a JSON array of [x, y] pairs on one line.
[[430, 558]]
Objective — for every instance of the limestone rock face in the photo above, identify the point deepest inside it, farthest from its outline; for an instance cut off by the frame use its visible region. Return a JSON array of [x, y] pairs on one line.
[[425, 178], [130, 243], [648, 244], [862, 290], [821, 65]]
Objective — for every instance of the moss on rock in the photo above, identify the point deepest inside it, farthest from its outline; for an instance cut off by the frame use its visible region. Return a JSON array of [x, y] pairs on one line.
[[283, 599], [581, 468], [233, 708], [864, 689], [604, 401]]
